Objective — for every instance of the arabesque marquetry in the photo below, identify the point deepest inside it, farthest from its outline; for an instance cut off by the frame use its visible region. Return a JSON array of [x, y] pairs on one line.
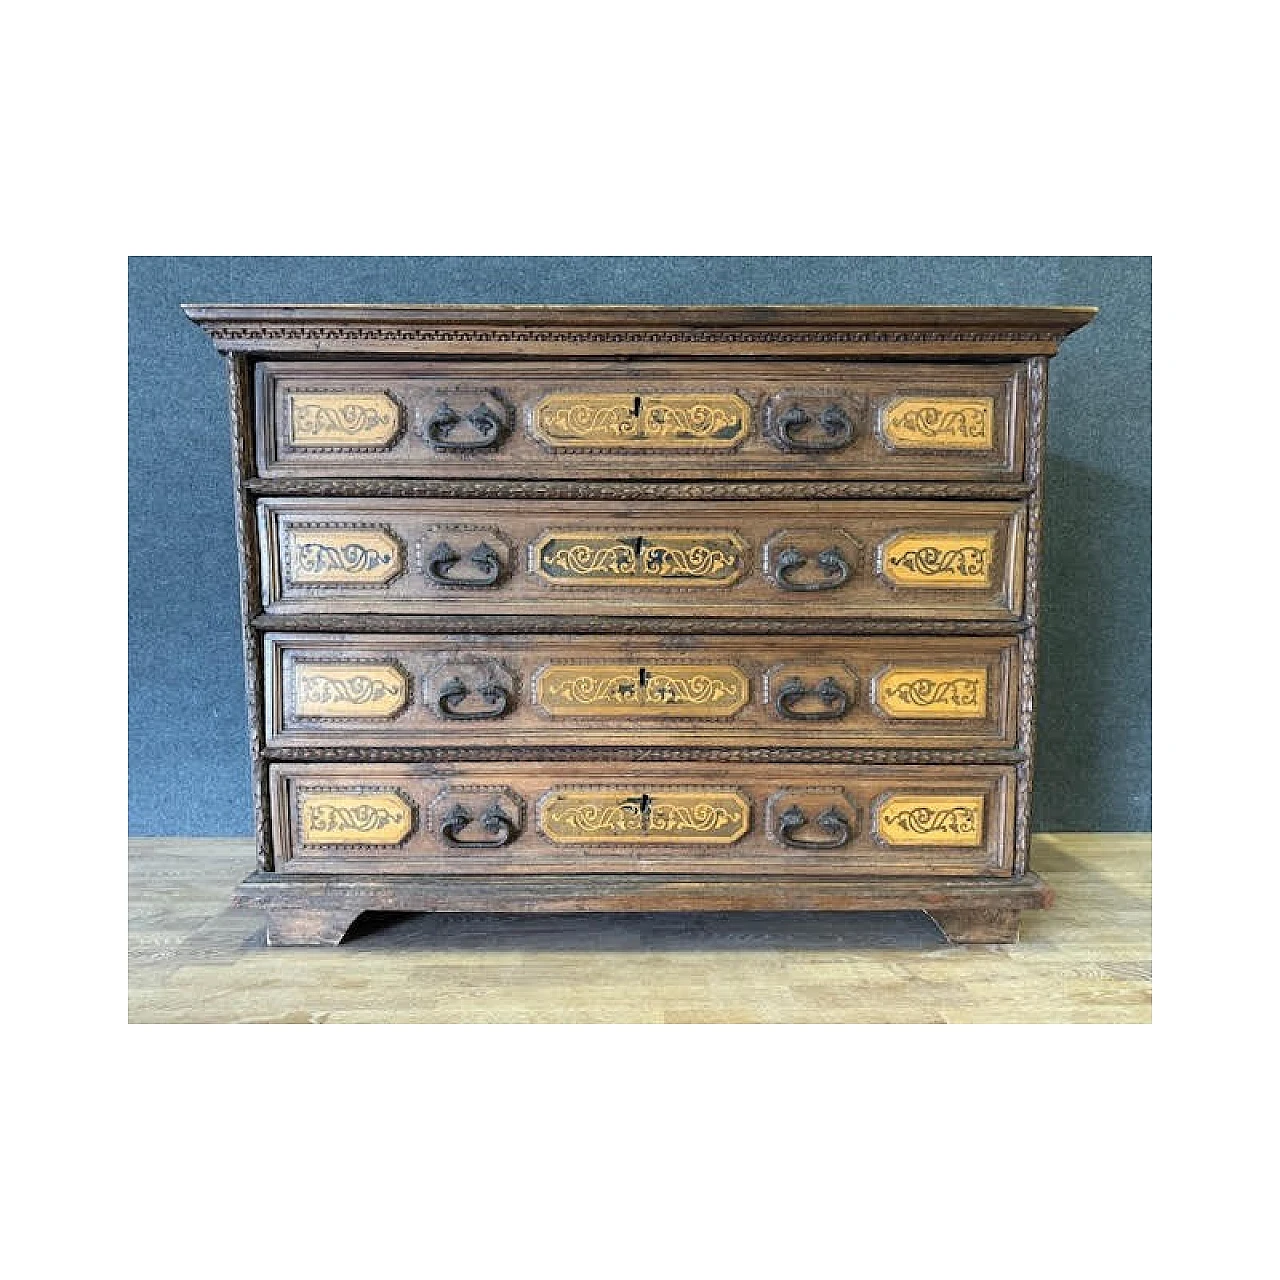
[[626, 608]]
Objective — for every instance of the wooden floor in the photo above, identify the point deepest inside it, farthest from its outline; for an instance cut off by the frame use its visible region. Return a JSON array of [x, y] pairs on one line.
[[1087, 959]]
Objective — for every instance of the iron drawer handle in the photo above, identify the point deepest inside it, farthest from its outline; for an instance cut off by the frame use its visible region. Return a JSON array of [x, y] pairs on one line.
[[837, 430], [454, 692], [833, 564], [831, 821], [834, 699], [442, 557], [494, 821], [487, 425]]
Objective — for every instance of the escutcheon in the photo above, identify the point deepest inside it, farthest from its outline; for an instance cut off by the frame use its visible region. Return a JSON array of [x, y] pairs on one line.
[[946, 821], [679, 691], [932, 693], [938, 423], [342, 420], [664, 422], [647, 817]]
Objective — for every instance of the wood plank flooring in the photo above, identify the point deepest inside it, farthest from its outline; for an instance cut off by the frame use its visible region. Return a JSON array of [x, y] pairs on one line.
[[1088, 959]]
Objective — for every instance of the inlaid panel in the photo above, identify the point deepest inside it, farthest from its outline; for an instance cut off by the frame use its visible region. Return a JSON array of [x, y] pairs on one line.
[[932, 693], [552, 560], [933, 423], [707, 422], [347, 690], [351, 557], [520, 691], [343, 420], [622, 691], [558, 816], [608, 815], [353, 816], [939, 559], [662, 419], [950, 819]]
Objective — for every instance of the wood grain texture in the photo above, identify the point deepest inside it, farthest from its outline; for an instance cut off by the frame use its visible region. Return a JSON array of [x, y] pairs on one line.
[[886, 333], [358, 691], [666, 420], [509, 479], [594, 559], [193, 958], [581, 817]]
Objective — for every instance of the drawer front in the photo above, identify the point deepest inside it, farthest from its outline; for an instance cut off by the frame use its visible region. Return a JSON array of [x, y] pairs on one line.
[[495, 691], [664, 420], [553, 817], [908, 560]]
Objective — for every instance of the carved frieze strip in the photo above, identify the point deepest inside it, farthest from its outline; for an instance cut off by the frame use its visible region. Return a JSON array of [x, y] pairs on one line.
[[637, 754], [625, 490], [498, 624]]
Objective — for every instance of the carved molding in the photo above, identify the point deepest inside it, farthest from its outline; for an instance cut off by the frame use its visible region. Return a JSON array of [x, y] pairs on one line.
[[623, 490], [641, 754]]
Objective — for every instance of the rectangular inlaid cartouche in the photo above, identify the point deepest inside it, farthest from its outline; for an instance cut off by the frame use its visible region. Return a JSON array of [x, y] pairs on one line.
[[342, 420], [684, 691], [348, 690], [672, 420]]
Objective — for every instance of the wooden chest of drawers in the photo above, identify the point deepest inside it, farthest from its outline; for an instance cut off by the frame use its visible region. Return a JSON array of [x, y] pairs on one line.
[[640, 609]]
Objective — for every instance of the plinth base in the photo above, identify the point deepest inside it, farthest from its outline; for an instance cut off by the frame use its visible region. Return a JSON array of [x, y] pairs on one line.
[[311, 909]]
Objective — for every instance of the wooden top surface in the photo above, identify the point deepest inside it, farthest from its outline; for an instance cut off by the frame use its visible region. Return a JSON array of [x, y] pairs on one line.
[[862, 332]]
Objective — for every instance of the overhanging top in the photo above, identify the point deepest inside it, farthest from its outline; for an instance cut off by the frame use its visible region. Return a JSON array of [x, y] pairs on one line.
[[830, 332]]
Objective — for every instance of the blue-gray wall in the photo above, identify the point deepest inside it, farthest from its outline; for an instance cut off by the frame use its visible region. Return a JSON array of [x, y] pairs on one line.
[[188, 748]]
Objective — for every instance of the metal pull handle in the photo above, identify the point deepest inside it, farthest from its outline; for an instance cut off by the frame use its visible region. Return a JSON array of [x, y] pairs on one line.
[[832, 563], [837, 430], [442, 558], [493, 820], [831, 821], [487, 428], [453, 693], [835, 700]]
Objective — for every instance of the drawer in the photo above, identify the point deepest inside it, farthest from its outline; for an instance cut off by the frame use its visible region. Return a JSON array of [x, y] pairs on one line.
[[499, 691], [592, 817], [533, 420], [781, 560]]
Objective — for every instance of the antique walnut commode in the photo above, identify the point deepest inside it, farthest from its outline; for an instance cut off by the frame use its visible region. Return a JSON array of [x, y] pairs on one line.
[[640, 609]]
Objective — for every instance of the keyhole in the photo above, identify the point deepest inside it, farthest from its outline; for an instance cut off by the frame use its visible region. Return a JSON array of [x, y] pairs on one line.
[[644, 677], [635, 411]]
